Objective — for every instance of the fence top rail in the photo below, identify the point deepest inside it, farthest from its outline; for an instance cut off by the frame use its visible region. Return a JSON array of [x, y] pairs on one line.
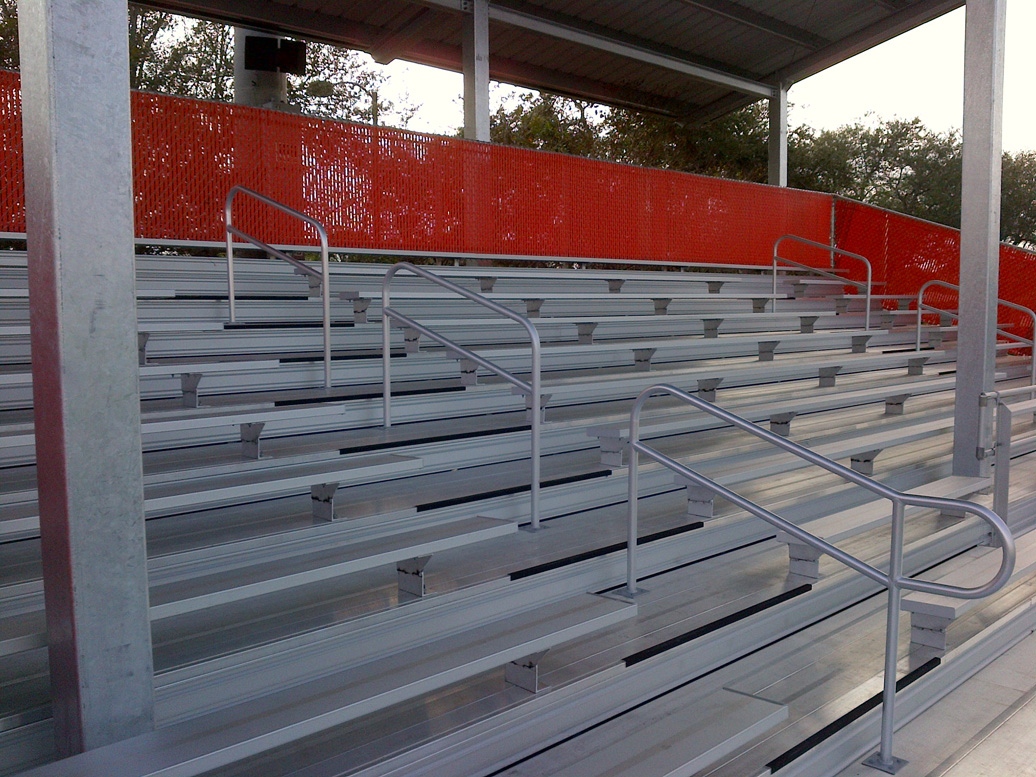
[[996, 523]]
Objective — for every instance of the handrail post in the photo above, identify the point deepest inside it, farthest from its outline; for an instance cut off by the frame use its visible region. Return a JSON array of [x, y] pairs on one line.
[[883, 759], [632, 497], [532, 389], [386, 353], [535, 423], [274, 253], [230, 252]]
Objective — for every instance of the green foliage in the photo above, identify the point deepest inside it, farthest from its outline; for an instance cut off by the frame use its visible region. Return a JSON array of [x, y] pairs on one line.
[[900, 165], [1018, 200], [9, 34]]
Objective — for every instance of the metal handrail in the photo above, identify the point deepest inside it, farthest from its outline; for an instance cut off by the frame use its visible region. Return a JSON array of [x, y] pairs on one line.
[[893, 580], [323, 274], [865, 285], [1002, 442], [530, 388], [923, 308]]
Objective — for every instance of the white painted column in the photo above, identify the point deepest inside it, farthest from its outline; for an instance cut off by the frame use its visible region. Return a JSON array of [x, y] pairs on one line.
[[778, 140], [257, 88], [980, 229], [79, 209], [476, 70]]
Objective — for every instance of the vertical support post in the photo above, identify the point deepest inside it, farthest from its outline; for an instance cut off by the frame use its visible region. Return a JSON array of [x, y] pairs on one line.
[[476, 70], [883, 759], [79, 211], [778, 142], [633, 491], [980, 230]]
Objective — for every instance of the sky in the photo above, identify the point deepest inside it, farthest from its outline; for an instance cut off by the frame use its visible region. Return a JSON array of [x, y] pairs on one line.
[[919, 74]]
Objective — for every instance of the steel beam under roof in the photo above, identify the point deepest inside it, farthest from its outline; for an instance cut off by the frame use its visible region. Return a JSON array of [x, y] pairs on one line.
[[690, 58]]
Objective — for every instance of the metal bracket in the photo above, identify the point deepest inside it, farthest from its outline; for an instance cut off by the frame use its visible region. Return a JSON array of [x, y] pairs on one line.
[[806, 324], [323, 499], [875, 762], [985, 453], [864, 462], [525, 672], [804, 560], [896, 405], [532, 307], [189, 388], [916, 366], [715, 286], [766, 349], [410, 575], [701, 502], [544, 399], [642, 358], [486, 284], [314, 284], [828, 375], [586, 332], [780, 423], [142, 338], [411, 339], [360, 305], [707, 388], [251, 439], [615, 285], [468, 371], [661, 305], [860, 343], [711, 327], [759, 304], [613, 451]]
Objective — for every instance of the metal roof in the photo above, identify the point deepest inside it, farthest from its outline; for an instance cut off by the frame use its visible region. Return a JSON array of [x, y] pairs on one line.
[[695, 59]]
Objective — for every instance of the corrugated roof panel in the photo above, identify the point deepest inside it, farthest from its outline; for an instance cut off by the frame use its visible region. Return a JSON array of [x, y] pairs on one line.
[[763, 39]]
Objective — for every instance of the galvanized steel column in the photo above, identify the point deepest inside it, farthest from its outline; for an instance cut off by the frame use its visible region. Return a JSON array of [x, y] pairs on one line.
[[778, 141], [476, 70], [980, 229], [79, 209]]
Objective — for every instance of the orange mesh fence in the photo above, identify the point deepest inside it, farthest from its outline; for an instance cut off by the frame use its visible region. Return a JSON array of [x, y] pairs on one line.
[[12, 176], [907, 252], [383, 188]]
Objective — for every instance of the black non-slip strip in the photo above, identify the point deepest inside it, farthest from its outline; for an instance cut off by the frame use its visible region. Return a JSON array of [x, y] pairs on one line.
[[508, 491], [364, 395], [598, 552], [339, 357], [284, 324], [701, 631], [855, 713], [239, 297], [375, 446]]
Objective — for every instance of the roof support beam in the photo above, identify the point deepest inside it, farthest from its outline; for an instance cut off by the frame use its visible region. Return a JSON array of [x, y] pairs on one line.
[[396, 42], [79, 214], [476, 71], [979, 230], [758, 21], [778, 140], [575, 32]]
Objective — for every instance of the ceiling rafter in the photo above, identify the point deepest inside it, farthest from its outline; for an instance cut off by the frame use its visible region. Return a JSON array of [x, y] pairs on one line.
[[535, 19], [759, 21], [394, 43]]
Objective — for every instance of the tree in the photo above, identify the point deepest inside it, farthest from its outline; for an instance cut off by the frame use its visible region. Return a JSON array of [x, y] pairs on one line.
[[1018, 201], [9, 34], [895, 164], [549, 122]]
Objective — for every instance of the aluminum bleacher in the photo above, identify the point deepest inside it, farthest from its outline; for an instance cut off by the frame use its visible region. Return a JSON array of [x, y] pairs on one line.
[[329, 596]]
